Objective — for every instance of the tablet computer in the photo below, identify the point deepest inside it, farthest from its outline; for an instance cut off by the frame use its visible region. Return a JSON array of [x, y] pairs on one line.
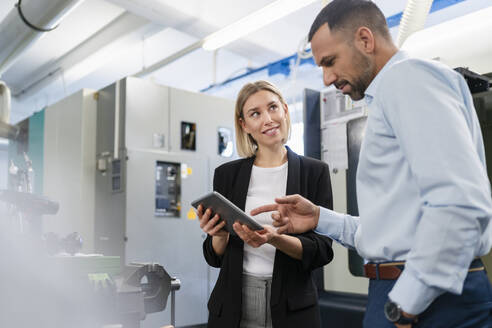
[[228, 212]]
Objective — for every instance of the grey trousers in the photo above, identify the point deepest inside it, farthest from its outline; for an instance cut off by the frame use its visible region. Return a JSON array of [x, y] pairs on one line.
[[256, 302]]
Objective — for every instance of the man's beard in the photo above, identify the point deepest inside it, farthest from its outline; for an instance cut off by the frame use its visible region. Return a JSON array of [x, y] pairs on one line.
[[361, 83]]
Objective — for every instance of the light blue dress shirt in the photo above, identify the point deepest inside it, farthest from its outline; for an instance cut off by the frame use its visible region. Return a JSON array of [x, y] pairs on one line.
[[422, 185]]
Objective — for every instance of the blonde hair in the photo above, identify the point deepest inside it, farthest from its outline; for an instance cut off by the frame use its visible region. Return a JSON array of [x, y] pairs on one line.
[[246, 145]]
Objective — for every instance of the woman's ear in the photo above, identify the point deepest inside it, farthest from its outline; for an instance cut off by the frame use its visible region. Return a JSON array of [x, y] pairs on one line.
[[243, 125]]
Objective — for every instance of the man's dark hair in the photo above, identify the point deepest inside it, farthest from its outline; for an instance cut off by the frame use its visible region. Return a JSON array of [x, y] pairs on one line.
[[349, 15]]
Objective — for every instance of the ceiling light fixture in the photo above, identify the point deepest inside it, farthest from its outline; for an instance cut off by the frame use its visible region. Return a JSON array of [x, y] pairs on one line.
[[253, 22]]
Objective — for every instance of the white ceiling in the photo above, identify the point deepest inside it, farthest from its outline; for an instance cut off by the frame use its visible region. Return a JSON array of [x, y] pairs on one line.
[[94, 45]]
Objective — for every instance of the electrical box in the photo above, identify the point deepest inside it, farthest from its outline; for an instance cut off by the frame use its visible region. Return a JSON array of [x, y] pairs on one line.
[[167, 189]]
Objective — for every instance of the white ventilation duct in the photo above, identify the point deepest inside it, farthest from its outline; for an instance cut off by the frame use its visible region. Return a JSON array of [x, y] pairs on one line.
[[463, 41], [4, 103], [16, 36], [413, 18]]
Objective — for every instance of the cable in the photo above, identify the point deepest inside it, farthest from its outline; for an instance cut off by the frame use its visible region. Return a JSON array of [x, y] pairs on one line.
[[302, 50], [34, 27], [302, 53], [62, 75]]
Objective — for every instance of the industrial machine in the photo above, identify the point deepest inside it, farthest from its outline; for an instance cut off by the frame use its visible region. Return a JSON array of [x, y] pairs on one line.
[[157, 148], [482, 100], [77, 291], [47, 283], [124, 163], [333, 131]]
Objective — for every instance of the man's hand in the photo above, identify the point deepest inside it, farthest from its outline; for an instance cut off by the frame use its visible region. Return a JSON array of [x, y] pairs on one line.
[[254, 238], [295, 214], [408, 315]]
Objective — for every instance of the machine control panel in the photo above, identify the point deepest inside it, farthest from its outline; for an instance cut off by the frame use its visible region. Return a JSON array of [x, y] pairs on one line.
[[167, 189]]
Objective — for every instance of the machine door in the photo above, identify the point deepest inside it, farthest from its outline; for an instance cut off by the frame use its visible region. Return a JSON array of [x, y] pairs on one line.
[[355, 134], [162, 227], [343, 297]]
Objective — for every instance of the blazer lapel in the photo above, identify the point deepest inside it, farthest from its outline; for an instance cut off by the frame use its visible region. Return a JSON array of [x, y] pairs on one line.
[[242, 183], [293, 173]]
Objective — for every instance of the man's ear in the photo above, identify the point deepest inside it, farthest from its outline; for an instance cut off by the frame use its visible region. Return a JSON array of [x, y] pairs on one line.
[[364, 40]]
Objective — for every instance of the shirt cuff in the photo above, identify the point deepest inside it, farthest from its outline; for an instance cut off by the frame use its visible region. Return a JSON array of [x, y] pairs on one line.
[[411, 294], [330, 223]]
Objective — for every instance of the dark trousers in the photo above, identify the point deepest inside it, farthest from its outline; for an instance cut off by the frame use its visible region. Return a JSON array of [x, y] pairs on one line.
[[473, 308]]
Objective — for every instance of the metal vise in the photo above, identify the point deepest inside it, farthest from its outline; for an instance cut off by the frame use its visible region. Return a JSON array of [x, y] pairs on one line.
[[136, 297]]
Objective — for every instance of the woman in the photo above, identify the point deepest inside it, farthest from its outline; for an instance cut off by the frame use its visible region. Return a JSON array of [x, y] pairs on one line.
[[266, 283]]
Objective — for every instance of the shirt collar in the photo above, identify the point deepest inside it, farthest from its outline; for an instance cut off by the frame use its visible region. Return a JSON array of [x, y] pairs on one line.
[[372, 88]]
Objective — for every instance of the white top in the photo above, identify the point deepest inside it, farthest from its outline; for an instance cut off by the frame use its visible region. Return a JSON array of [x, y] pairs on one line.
[[264, 185]]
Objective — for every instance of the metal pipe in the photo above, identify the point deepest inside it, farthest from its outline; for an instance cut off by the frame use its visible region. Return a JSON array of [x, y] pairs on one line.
[[173, 304], [413, 18], [192, 47], [16, 36], [116, 153], [4, 103], [8, 131], [459, 42], [214, 67], [118, 29], [175, 285]]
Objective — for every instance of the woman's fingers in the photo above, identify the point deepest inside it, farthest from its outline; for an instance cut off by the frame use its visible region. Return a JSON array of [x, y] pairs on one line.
[[238, 228], [217, 228], [244, 233], [199, 211], [249, 236], [203, 218], [211, 223]]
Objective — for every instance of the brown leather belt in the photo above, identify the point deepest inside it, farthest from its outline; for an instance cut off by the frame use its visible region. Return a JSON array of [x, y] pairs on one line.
[[392, 270]]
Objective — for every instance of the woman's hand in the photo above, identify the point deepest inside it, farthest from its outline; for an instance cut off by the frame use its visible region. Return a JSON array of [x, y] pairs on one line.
[[254, 238], [210, 225], [290, 245], [220, 237]]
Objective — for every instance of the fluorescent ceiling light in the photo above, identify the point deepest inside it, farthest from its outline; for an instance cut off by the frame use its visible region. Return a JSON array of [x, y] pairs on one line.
[[253, 22]]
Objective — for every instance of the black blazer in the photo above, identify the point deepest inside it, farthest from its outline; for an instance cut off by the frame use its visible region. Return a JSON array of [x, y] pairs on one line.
[[294, 298]]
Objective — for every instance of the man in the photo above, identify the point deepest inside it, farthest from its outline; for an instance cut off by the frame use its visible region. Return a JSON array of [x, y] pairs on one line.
[[422, 187]]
